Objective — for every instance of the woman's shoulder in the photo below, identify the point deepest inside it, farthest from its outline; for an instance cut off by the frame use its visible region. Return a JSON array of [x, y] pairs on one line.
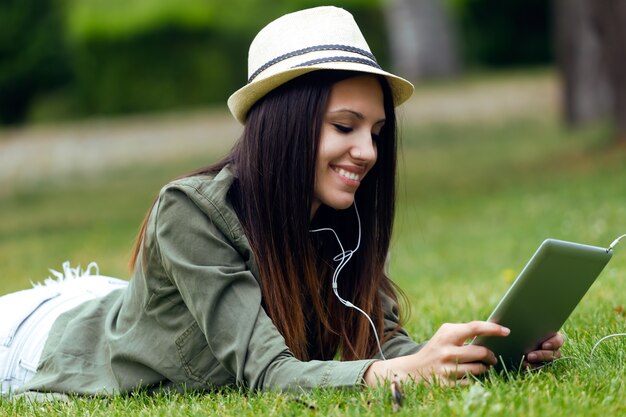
[[186, 198], [203, 188]]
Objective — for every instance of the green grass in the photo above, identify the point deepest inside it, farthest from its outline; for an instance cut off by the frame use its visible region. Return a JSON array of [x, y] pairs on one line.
[[475, 202]]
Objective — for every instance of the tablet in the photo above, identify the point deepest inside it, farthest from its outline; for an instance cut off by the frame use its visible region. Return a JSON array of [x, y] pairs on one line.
[[542, 297]]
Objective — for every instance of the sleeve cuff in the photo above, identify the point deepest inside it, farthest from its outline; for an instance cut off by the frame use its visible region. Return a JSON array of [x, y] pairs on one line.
[[346, 374]]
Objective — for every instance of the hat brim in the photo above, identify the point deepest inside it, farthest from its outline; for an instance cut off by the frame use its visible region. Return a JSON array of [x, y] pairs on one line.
[[243, 99]]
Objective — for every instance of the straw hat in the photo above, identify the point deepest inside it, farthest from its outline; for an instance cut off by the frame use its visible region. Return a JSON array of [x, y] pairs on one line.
[[308, 40]]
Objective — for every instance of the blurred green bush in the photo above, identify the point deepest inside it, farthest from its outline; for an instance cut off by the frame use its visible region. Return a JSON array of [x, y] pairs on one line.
[[122, 56], [71, 58], [33, 57], [143, 55], [158, 70], [504, 33]]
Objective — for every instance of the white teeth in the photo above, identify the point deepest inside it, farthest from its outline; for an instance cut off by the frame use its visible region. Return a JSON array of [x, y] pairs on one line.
[[349, 175]]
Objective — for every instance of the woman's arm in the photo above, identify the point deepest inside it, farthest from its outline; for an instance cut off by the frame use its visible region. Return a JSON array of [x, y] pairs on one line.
[[447, 360]]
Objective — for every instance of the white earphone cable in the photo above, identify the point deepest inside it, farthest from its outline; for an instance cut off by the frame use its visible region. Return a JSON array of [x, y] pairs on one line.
[[343, 259], [615, 242]]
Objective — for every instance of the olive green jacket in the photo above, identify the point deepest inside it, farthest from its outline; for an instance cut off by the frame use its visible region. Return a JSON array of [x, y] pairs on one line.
[[191, 317]]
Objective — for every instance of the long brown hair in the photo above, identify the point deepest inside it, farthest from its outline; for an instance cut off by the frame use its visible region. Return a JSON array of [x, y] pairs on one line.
[[274, 162]]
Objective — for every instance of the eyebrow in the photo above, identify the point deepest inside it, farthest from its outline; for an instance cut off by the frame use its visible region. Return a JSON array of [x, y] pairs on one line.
[[356, 114]]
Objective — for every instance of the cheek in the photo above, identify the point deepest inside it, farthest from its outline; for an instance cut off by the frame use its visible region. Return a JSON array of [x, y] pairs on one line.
[[329, 148]]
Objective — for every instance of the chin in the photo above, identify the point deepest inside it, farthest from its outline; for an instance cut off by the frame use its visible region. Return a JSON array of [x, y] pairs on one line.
[[341, 205]]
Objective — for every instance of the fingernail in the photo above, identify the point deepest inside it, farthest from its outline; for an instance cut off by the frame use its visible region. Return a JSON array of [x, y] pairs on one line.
[[506, 331], [532, 356]]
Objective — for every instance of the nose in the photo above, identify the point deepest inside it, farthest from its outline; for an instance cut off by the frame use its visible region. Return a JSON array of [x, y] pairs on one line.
[[364, 148]]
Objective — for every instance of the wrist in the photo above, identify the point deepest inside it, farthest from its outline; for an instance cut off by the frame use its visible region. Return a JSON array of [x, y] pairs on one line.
[[376, 373]]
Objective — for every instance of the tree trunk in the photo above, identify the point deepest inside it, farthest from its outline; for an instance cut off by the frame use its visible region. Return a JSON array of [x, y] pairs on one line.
[[610, 20], [586, 93], [423, 42]]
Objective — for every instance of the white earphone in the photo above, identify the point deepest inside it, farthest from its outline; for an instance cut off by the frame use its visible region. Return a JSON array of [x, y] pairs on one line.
[[343, 259]]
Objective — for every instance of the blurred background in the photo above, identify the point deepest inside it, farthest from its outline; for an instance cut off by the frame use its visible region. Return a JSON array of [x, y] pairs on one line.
[[71, 59], [517, 129]]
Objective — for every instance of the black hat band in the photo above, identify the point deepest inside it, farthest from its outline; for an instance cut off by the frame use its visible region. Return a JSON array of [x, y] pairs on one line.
[[371, 61]]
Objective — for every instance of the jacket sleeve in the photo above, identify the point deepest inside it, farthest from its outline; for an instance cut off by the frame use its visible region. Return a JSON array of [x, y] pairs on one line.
[[224, 298], [400, 344]]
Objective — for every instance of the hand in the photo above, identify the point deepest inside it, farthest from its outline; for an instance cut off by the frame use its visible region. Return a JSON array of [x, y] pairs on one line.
[[550, 350], [445, 359]]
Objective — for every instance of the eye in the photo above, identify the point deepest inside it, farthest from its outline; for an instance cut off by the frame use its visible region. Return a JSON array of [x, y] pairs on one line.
[[375, 137], [342, 128]]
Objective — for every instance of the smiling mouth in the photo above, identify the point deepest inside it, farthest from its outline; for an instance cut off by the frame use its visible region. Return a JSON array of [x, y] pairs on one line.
[[347, 174]]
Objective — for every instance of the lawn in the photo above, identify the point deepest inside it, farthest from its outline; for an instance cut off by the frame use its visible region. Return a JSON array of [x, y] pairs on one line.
[[475, 201]]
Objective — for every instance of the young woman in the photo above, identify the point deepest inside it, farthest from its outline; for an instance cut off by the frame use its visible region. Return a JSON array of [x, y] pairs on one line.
[[263, 269]]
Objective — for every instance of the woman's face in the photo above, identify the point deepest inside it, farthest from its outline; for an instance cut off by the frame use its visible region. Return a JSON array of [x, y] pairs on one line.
[[353, 120]]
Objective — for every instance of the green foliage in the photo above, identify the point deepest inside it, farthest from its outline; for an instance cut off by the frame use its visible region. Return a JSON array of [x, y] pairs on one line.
[[122, 19], [557, 392], [32, 55], [158, 54], [156, 71], [504, 33], [114, 56], [86, 57]]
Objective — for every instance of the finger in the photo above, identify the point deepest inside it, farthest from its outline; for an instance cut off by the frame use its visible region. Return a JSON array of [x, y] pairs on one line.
[[554, 342], [473, 353], [543, 355], [453, 373], [458, 333], [476, 368], [450, 372]]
